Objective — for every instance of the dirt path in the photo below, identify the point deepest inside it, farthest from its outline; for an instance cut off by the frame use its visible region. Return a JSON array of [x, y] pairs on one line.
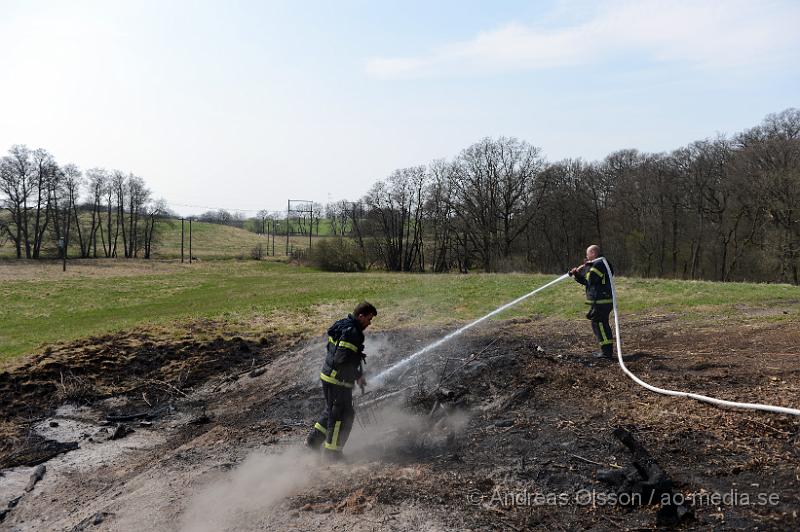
[[515, 439]]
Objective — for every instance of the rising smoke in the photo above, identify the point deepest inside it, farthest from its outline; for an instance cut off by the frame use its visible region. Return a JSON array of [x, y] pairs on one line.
[[257, 487], [254, 487]]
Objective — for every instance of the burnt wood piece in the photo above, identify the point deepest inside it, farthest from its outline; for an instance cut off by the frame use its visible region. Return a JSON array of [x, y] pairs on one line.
[[121, 431], [36, 451], [36, 476], [647, 479], [653, 479], [129, 417]]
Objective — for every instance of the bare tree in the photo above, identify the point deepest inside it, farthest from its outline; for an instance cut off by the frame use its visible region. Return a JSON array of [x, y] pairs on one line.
[[152, 214], [16, 171], [138, 197], [45, 171], [394, 210], [72, 183], [498, 190], [317, 210], [98, 186], [338, 215], [771, 157], [441, 226], [563, 217]]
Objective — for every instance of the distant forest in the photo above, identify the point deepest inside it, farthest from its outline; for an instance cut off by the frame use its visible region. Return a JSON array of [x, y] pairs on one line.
[[725, 209], [721, 209]]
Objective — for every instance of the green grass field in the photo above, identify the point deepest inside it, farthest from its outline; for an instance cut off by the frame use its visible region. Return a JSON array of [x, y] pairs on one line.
[[97, 297]]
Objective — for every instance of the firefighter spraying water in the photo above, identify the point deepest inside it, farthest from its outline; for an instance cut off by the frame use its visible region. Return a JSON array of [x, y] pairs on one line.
[[597, 275]]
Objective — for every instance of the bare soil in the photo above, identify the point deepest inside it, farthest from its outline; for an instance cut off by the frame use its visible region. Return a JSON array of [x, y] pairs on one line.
[[503, 429]]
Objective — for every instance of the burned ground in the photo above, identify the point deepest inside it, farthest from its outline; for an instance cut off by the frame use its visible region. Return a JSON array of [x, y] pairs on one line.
[[144, 374], [522, 409]]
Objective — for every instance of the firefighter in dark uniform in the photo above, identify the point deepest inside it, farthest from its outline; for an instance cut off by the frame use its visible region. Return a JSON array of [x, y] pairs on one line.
[[340, 372], [594, 276]]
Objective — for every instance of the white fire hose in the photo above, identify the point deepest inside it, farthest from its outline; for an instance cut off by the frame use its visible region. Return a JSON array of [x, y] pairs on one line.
[[664, 391]]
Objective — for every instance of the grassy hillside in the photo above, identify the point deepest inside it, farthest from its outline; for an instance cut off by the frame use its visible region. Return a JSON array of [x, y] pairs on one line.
[[100, 297], [209, 242], [324, 226], [213, 241]]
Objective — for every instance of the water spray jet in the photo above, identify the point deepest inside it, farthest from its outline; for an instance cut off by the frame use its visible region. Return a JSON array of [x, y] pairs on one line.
[[380, 379]]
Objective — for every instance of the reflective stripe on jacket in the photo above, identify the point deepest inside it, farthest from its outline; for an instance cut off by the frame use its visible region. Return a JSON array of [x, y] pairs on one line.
[[594, 277]]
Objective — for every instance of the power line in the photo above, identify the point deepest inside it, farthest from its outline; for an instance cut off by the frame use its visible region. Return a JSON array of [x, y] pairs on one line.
[[271, 213], [174, 204]]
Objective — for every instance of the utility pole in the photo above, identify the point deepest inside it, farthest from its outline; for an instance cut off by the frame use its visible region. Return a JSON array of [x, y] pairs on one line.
[[273, 237], [288, 209], [182, 220], [62, 243], [190, 240]]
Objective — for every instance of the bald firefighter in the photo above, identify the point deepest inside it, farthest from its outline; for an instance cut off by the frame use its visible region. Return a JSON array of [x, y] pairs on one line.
[[594, 276]]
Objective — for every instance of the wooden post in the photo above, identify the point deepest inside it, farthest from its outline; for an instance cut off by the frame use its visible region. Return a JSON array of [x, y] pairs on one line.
[[288, 206], [182, 231]]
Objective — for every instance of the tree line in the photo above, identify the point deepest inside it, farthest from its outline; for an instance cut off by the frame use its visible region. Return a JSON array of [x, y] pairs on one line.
[[48, 208], [726, 208]]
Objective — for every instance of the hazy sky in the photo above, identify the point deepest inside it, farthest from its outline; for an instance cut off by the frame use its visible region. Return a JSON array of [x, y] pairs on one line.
[[244, 104]]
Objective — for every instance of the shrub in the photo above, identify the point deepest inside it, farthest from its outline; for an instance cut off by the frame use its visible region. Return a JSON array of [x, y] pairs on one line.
[[257, 253], [336, 254]]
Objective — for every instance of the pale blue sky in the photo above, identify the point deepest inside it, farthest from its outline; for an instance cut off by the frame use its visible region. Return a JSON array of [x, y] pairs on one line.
[[245, 104]]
